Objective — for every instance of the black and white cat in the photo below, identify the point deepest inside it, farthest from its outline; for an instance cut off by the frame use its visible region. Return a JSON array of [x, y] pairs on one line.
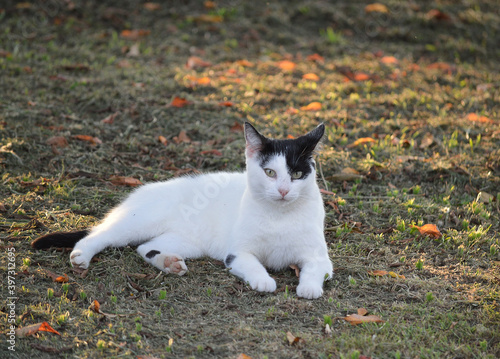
[[271, 216]]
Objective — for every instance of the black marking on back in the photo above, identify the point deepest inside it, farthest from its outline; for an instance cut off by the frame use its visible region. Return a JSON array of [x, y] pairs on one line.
[[152, 253], [229, 259], [59, 239], [298, 152]]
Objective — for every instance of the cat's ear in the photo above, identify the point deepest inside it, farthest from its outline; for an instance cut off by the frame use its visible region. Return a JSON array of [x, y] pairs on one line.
[[314, 137], [253, 139]]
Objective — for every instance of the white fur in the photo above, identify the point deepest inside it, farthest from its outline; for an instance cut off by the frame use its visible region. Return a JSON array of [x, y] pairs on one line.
[[242, 214]]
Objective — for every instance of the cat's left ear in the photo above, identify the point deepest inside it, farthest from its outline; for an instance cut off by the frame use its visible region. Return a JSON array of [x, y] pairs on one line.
[[254, 140], [314, 137]]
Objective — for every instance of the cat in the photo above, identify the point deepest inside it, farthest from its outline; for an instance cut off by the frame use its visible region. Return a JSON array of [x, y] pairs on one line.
[[270, 216]]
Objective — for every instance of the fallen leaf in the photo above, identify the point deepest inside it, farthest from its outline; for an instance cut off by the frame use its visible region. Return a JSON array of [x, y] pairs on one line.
[[182, 137], [110, 119], [179, 102], [347, 174], [226, 104], [484, 197], [163, 140], [125, 181], [134, 34], [316, 57], [378, 273], [245, 63], [93, 140], [376, 7], [475, 118], [134, 50], [236, 127], [429, 229], [209, 4], [293, 340], [152, 6], [211, 152], [199, 80], [62, 279], [355, 319], [395, 275], [76, 67], [361, 76], [195, 62], [124, 64], [310, 76], [439, 66], [207, 18], [427, 141], [95, 306], [292, 111], [296, 269], [361, 141], [57, 141], [313, 106], [243, 356], [290, 136], [437, 15], [35, 328], [324, 191], [362, 311], [286, 65], [389, 60]]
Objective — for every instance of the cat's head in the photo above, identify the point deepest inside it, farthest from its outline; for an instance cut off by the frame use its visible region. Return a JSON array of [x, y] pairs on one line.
[[281, 171]]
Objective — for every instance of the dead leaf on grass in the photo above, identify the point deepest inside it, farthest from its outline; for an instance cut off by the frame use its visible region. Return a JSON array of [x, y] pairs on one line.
[[484, 197], [430, 230], [376, 7], [310, 76], [296, 269], [236, 127], [361, 141], [355, 319], [362, 311], [347, 174], [293, 340], [195, 62], [134, 34], [245, 63], [35, 328], [125, 181], [110, 119], [427, 141], [95, 306], [57, 141], [378, 273], [62, 278], [182, 138], [226, 104], [179, 102], [211, 152], [316, 57], [313, 106], [163, 140], [475, 118], [243, 356], [437, 15], [286, 65], [151, 6], [92, 140], [389, 60]]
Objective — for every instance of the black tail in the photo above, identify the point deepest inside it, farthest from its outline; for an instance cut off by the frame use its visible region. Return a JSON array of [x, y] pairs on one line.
[[59, 239]]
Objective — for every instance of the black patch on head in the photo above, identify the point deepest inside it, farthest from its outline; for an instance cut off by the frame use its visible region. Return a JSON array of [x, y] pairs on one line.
[[229, 259], [298, 152], [152, 253]]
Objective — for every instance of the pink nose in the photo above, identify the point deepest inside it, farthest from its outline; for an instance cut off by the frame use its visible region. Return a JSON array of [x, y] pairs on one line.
[[283, 192]]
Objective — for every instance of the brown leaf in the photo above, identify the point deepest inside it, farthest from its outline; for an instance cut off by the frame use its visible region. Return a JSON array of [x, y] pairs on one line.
[[427, 141], [35, 328], [62, 279], [199, 80], [152, 6], [245, 63], [57, 141], [236, 127], [125, 181], [347, 174], [355, 319], [195, 62], [475, 118], [211, 152], [484, 197], [110, 119], [93, 140], [324, 191], [376, 7], [226, 104], [293, 340], [437, 15], [134, 34], [316, 57], [313, 106], [163, 140], [429, 229], [361, 76], [310, 76], [207, 18], [296, 269], [361, 141], [179, 102], [243, 356], [286, 65], [183, 137], [95, 306], [378, 273], [389, 60], [395, 275], [362, 311], [76, 67], [440, 66]]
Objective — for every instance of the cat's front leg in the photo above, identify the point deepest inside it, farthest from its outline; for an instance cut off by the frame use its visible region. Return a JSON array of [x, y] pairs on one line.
[[313, 273], [247, 267]]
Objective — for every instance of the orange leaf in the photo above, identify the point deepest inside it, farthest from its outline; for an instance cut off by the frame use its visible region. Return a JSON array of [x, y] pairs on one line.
[[163, 140], [310, 76], [209, 4], [183, 137], [324, 191], [57, 141], [389, 60], [134, 34], [438, 15], [395, 275], [316, 57], [111, 118], [286, 65], [152, 6], [313, 106], [361, 141], [361, 76], [245, 63], [292, 111], [199, 80], [236, 127], [439, 66], [195, 62], [376, 7], [429, 229], [293, 340], [207, 18], [95, 306], [35, 328], [290, 137], [93, 140], [211, 152], [355, 319], [378, 273], [125, 181], [226, 103], [62, 279], [243, 356], [179, 102], [475, 118], [362, 311]]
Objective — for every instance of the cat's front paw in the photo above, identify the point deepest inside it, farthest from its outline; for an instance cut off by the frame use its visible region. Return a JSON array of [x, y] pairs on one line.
[[79, 260], [263, 284], [309, 291]]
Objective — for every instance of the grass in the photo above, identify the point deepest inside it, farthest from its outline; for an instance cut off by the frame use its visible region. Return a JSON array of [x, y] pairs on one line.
[[64, 70]]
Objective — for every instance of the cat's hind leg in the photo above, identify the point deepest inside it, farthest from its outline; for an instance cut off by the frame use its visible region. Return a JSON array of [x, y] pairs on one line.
[[167, 253]]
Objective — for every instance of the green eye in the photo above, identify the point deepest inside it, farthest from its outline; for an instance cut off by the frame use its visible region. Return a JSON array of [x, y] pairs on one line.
[[270, 172], [297, 175]]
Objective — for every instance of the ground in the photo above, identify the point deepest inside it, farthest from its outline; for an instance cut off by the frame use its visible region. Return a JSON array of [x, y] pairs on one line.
[[99, 96]]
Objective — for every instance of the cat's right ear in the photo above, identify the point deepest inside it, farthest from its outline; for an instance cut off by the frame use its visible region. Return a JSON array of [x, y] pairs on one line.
[[253, 139]]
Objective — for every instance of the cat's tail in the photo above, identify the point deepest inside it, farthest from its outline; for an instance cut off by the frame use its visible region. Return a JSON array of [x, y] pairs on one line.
[[59, 239]]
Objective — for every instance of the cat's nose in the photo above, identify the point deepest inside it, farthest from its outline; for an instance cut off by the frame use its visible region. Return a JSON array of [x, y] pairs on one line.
[[283, 192]]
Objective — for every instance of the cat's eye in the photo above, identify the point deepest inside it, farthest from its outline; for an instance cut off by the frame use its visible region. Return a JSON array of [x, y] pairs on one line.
[[270, 172], [297, 175]]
